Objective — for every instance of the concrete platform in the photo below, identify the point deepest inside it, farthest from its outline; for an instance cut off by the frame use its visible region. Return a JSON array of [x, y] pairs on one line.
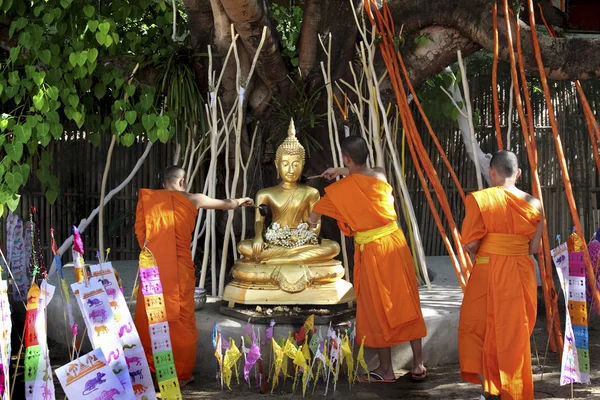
[[440, 308]]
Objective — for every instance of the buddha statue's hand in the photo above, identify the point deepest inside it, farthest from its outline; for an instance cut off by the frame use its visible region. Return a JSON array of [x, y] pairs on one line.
[[258, 244]]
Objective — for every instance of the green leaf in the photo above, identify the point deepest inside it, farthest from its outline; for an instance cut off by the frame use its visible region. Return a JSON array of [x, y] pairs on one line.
[[65, 3], [130, 89], [92, 25], [162, 134], [45, 159], [25, 39], [128, 139], [95, 139], [148, 121], [23, 169], [108, 41], [38, 77], [14, 53], [43, 129], [73, 100], [73, 57], [88, 11], [48, 18], [56, 130], [82, 58], [100, 37], [162, 122], [51, 195], [13, 180], [45, 56], [119, 82], [120, 126], [43, 174], [52, 92], [78, 118], [130, 116], [22, 133], [100, 90], [39, 101], [104, 27], [13, 202], [92, 55], [3, 124], [14, 151]]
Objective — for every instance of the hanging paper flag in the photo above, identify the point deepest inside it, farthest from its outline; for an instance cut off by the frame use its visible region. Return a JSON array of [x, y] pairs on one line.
[[139, 371], [360, 360], [5, 346], [300, 336], [277, 363], [32, 347], [90, 375], [42, 387], [252, 356], [348, 359], [160, 337], [269, 331], [229, 362], [219, 357], [78, 261], [102, 329], [594, 251], [309, 324], [578, 312], [570, 365], [18, 256]]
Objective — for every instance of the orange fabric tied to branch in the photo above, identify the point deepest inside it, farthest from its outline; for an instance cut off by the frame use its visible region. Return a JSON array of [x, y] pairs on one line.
[[394, 62], [561, 157], [527, 126]]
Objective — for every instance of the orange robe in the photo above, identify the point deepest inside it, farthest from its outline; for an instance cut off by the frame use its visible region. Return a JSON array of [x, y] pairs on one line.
[[165, 221], [388, 310], [499, 308]]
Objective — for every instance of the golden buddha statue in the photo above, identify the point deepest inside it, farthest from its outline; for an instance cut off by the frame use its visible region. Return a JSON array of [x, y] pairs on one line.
[[287, 263]]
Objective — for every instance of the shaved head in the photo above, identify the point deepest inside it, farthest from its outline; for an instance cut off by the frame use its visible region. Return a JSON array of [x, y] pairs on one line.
[[505, 163], [172, 174], [355, 148]]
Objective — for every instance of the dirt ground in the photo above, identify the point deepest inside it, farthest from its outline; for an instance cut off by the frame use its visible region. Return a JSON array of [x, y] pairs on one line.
[[443, 382]]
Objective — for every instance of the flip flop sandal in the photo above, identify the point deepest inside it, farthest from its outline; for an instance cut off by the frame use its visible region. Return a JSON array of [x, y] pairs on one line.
[[418, 377], [376, 378]]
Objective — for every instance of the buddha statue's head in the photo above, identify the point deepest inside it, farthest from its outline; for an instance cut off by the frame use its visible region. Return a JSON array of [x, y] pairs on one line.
[[290, 157]]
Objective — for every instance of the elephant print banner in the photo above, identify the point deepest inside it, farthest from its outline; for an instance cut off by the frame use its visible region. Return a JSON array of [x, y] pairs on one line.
[[5, 348], [90, 377], [18, 250], [135, 357], [102, 329], [158, 327]]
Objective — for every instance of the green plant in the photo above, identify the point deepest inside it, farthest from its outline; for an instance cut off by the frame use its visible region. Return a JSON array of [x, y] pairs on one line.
[[300, 105], [68, 67], [288, 19]]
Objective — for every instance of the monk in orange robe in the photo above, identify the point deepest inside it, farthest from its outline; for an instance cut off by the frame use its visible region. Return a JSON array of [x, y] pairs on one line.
[[165, 220], [502, 227], [388, 310]]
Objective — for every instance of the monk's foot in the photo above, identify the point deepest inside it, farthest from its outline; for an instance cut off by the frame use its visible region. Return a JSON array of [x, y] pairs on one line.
[[184, 382], [418, 373], [380, 374]]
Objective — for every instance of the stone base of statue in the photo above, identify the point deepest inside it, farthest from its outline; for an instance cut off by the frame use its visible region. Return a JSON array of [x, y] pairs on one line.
[[320, 284]]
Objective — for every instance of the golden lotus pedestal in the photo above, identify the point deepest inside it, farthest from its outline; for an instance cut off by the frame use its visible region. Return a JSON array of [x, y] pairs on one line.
[[316, 284]]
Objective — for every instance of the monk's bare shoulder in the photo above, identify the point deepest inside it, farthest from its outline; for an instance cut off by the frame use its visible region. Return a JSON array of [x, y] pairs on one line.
[[530, 199], [379, 173]]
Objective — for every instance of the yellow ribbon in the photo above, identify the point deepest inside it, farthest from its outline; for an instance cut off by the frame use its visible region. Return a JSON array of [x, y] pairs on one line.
[[371, 235]]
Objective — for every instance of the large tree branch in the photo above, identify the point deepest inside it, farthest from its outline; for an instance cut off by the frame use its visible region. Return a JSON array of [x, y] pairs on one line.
[[308, 43], [564, 58], [249, 19]]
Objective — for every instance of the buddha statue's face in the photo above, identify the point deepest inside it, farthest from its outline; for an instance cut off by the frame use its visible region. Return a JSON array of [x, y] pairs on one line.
[[290, 168]]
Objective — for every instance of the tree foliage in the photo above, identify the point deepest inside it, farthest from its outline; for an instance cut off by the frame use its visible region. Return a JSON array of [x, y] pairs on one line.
[[61, 74]]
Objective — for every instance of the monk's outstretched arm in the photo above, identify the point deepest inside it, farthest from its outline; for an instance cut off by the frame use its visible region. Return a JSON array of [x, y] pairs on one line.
[[202, 201]]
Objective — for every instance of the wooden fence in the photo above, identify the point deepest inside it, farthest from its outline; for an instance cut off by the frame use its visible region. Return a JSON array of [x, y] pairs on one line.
[[79, 167]]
